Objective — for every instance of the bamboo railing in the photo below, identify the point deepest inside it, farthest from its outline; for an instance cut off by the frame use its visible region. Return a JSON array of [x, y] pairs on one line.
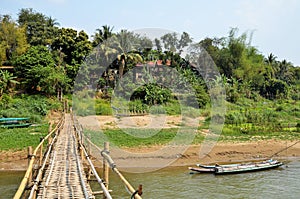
[[27, 180], [84, 153], [107, 161], [135, 193]]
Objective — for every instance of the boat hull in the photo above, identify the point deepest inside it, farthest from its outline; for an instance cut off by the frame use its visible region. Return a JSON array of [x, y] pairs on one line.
[[237, 168], [233, 170], [202, 170]]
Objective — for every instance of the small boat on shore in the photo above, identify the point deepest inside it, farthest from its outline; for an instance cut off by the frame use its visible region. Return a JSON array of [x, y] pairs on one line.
[[202, 170], [237, 168], [14, 122], [251, 167], [214, 166]]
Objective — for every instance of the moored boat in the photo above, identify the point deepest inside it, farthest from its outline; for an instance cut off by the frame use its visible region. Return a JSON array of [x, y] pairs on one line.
[[214, 166], [202, 170], [251, 167], [237, 168], [14, 122]]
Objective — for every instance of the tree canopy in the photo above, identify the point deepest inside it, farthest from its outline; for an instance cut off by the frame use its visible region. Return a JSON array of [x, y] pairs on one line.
[[47, 59]]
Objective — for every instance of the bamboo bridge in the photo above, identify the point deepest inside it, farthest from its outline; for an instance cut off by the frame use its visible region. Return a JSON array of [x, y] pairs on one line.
[[60, 166]]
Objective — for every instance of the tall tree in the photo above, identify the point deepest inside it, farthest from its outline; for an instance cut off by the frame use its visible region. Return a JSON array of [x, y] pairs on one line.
[[185, 40], [72, 47], [40, 29], [170, 41], [12, 40], [39, 71], [157, 44], [102, 34], [284, 71], [173, 43], [271, 66]]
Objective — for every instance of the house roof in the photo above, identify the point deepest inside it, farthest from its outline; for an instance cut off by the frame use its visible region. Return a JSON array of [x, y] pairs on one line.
[[6, 67], [155, 63]]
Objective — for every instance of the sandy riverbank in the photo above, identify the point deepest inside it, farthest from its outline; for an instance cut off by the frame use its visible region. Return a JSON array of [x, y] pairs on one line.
[[221, 152], [171, 156]]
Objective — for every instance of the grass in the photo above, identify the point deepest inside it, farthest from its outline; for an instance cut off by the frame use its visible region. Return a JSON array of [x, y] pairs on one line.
[[20, 138], [150, 137], [84, 105], [260, 136], [245, 121], [36, 108], [141, 137]]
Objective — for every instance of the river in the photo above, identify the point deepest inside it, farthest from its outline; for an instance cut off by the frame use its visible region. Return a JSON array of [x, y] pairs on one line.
[[177, 182]]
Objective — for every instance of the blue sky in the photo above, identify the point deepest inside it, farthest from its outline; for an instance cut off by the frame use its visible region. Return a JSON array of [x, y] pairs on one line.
[[275, 22]]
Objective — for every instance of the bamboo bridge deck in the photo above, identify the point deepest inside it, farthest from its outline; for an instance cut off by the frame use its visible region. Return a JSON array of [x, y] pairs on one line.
[[65, 177], [57, 171]]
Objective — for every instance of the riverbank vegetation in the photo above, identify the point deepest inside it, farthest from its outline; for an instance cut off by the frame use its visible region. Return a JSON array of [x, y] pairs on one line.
[[40, 62], [34, 107]]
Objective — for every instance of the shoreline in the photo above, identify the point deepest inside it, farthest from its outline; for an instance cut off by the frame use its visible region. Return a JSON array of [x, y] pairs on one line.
[[222, 152]]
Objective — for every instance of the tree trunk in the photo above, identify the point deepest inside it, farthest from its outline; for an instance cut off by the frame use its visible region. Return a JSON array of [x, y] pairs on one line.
[[121, 68]]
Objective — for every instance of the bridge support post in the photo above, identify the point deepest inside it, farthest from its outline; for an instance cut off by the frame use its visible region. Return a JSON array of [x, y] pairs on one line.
[[41, 153], [49, 131], [50, 126], [106, 167], [29, 155]]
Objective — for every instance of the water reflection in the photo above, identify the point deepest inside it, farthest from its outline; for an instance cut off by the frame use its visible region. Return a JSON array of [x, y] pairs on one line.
[[9, 182], [177, 182]]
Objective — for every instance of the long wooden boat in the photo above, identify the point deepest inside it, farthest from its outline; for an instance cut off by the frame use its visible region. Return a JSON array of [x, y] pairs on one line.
[[14, 122], [237, 168], [202, 170], [13, 119], [251, 167], [214, 166]]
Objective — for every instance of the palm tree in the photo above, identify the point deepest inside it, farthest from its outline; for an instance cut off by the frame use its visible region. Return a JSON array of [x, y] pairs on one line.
[[51, 22], [284, 72], [107, 31], [128, 61], [128, 44], [102, 34], [272, 66], [7, 81], [271, 59], [121, 66]]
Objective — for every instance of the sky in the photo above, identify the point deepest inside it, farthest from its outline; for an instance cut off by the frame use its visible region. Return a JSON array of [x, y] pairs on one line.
[[275, 23]]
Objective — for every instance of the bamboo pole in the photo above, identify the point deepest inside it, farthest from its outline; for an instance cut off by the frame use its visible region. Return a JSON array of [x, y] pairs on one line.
[[106, 192], [49, 131], [40, 172], [29, 159], [41, 152], [115, 169], [50, 126], [128, 185], [28, 174], [87, 156], [105, 168], [29, 154]]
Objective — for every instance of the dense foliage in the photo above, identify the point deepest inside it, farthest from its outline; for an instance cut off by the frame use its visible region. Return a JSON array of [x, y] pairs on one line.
[[47, 58]]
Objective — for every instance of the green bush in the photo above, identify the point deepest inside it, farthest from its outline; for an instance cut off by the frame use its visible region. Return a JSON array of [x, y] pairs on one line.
[[34, 107], [157, 109], [173, 108], [138, 106], [102, 107]]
